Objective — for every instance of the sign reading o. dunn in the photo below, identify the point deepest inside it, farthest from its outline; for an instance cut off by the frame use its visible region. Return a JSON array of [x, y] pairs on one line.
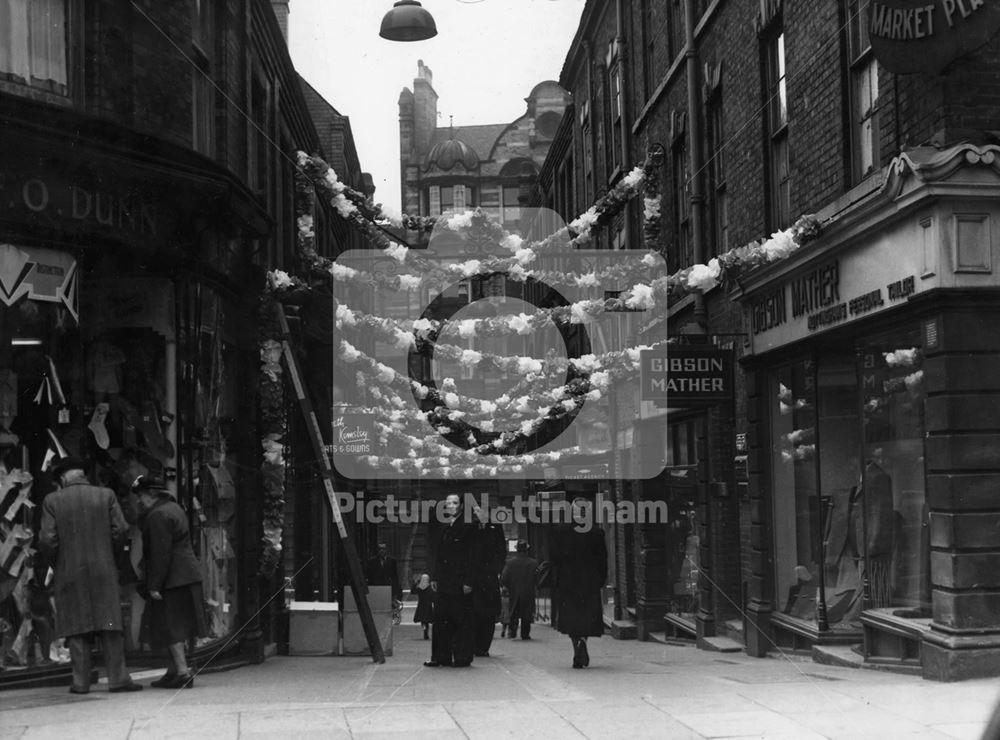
[[925, 36]]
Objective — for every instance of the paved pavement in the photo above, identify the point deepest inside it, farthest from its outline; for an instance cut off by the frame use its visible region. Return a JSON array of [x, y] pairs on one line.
[[525, 689]]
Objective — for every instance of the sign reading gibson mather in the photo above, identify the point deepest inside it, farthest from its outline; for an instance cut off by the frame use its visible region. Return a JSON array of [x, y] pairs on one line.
[[684, 376], [925, 36]]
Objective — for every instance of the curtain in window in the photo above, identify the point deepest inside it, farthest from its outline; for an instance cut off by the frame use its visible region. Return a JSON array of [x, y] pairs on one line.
[[33, 40]]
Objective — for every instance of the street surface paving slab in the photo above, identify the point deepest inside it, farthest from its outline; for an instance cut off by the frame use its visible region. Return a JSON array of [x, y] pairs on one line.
[[525, 689]]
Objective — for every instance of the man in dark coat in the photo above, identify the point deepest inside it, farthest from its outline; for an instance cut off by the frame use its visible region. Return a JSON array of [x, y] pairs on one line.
[[580, 560], [80, 524], [383, 570], [519, 580], [491, 551], [451, 580]]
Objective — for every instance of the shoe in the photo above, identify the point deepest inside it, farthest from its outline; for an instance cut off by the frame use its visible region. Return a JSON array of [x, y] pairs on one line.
[[577, 664], [127, 688], [578, 648], [426, 636], [75, 690], [434, 664], [483, 654], [164, 681], [463, 664], [526, 637], [182, 681]]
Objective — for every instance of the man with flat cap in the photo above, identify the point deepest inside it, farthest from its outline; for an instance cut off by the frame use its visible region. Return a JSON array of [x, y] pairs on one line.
[[80, 524]]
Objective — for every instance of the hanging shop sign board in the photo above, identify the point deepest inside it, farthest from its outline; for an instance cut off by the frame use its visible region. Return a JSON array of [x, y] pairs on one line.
[[354, 436], [39, 274], [926, 36], [683, 376]]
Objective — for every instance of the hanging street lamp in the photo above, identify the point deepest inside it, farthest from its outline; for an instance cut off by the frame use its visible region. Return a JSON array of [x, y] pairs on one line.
[[407, 21]]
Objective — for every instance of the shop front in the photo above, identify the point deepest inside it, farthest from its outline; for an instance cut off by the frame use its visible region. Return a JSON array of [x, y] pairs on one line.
[[871, 445], [123, 340]]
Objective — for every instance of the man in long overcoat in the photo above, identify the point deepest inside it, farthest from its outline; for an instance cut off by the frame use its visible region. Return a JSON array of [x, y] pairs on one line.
[[451, 580], [519, 580], [80, 524]]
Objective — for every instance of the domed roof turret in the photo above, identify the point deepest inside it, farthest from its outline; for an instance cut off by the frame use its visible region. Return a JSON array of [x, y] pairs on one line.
[[451, 152]]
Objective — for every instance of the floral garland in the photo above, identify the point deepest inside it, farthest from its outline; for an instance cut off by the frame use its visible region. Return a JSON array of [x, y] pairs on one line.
[[273, 429], [540, 406]]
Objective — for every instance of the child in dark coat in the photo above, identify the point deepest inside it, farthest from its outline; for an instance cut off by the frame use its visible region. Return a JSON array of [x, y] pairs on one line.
[[424, 613]]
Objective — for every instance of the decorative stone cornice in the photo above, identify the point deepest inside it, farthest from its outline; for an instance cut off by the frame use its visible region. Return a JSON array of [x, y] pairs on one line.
[[928, 165]]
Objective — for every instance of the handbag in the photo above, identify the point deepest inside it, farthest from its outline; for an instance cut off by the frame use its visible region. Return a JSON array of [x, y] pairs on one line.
[[545, 575]]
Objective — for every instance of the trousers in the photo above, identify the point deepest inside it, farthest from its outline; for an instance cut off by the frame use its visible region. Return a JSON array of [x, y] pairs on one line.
[[452, 639], [113, 648]]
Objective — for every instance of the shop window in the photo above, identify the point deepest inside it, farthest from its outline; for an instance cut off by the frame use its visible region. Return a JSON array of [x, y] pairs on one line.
[[682, 534], [776, 129], [863, 75], [33, 43], [848, 479], [459, 196], [896, 546], [791, 394]]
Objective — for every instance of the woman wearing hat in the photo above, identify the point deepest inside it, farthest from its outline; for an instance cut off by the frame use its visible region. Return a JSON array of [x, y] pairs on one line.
[[173, 579]]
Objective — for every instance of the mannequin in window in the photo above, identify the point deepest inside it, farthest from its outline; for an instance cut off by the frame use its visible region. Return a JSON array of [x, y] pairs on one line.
[[877, 530]]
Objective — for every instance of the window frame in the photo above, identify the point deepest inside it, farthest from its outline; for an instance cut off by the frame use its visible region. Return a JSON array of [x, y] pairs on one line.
[[861, 64], [776, 124]]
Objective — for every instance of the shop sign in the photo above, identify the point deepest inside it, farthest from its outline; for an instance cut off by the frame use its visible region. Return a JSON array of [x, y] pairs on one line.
[[354, 434], [684, 376], [908, 36], [39, 274], [827, 295], [125, 210]]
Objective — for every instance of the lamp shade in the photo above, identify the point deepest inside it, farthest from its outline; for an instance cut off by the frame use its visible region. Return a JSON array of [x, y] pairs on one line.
[[407, 21]]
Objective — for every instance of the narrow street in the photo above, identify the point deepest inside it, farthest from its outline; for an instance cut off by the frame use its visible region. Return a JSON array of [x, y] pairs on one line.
[[525, 689]]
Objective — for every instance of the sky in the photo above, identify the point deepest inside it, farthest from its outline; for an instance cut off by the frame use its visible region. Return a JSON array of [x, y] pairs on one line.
[[485, 60]]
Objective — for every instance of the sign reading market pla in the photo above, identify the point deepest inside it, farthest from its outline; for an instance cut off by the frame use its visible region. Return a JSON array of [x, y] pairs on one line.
[[683, 376], [910, 36]]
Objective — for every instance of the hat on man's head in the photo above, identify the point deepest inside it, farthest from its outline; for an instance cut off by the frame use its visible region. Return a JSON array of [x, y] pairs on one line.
[[150, 484], [64, 464]]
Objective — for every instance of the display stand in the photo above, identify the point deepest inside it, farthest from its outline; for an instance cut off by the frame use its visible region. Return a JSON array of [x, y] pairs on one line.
[[358, 583]]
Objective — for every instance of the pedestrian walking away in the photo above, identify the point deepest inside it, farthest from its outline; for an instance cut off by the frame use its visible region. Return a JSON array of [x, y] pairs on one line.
[[81, 523], [518, 579], [424, 613], [451, 581], [383, 570], [490, 553], [580, 564], [172, 583]]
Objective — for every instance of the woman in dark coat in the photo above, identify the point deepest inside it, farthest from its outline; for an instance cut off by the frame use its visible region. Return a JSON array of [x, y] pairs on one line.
[[580, 562], [173, 580], [424, 613]]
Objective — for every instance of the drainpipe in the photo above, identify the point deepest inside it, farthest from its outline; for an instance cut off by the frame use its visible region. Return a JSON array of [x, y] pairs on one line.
[[697, 159]]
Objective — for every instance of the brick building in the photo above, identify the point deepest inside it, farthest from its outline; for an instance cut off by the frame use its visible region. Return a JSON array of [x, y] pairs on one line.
[[844, 499], [141, 209]]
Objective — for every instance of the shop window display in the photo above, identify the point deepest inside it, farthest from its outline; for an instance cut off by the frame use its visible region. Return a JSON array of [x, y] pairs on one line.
[[796, 511], [851, 518], [896, 517], [208, 468]]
